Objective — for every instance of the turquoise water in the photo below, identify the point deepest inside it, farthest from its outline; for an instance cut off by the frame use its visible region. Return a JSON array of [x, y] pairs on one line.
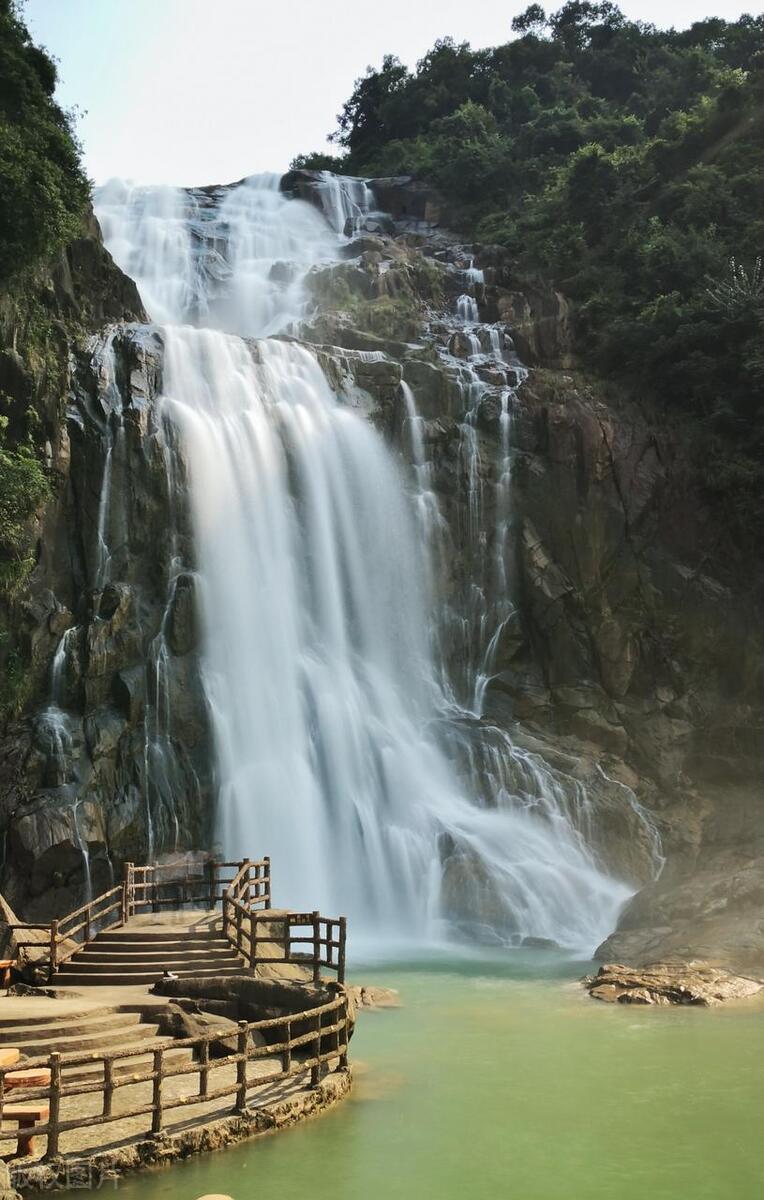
[[505, 1080]]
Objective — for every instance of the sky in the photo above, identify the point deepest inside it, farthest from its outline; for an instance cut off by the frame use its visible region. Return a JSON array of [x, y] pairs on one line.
[[206, 91]]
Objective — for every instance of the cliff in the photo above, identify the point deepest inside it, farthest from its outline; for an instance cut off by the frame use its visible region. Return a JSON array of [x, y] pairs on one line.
[[628, 651]]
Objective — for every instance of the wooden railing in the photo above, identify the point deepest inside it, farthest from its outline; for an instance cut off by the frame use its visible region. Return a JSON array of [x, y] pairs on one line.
[[155, 887], [253, 933], [69, 934], [151, 887], [302, 1043]]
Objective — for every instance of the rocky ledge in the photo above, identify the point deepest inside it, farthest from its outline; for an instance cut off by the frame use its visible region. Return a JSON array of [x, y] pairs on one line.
[[697, 983]]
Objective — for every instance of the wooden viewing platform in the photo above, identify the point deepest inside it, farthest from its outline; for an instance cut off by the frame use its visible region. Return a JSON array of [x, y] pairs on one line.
[[115, 1076]]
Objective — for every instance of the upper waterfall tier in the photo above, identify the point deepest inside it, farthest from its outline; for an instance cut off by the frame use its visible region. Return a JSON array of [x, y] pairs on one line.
[[229, 258]]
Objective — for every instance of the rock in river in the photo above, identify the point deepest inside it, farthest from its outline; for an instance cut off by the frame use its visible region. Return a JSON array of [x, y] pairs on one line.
[[698, 983]]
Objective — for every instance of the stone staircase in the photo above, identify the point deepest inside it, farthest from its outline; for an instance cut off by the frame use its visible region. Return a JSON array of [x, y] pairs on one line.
[[92, 1030], [139, 954]]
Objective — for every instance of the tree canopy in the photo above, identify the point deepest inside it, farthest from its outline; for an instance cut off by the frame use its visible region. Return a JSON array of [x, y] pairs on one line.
[[43, 190]]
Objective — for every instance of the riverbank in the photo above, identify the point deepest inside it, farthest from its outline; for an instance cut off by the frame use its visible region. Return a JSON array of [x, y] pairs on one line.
[[204, 1132]]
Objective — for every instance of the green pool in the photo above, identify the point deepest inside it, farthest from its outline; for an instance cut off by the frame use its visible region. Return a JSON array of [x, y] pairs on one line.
[[502, 1079]]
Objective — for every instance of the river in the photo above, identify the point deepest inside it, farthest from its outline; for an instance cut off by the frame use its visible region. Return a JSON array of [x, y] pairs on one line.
[[501, 1078]]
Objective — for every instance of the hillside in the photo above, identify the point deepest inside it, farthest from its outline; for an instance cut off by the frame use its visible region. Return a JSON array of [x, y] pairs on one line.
[[624, 166]]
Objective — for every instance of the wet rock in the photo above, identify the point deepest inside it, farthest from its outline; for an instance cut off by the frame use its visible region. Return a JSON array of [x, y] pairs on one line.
[[59, 621], [103, 729], [367, 244], [489, 412], [541, 324], [460, 344], [182, 632], [282, 272], [129, 691], [374, 996]]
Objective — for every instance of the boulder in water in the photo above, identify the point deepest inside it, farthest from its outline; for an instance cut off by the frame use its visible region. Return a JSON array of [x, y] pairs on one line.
[[540, 943], [696, 983], [374, 997]]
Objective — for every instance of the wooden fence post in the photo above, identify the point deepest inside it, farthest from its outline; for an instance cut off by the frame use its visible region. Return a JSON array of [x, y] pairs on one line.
[[108, 1086], [204, 1069], [129, 881], [213, 870], [54, 1104], [53, 950], [341, 953], [241, 1068], [344, 1053], [315, 1071], [286, 1053], [316, 947], [267, 878], [253, 944], [156, 1098]]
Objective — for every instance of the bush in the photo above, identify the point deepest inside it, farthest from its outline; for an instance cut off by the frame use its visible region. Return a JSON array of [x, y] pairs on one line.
[[23, 486]]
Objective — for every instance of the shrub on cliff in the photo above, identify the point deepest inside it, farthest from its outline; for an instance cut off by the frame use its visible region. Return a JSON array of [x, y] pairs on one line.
[[23, 485], [43, 189]]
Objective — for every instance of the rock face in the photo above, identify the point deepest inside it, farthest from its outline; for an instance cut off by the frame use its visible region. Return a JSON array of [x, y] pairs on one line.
[[112, 753], [628, 647], [696, 983]]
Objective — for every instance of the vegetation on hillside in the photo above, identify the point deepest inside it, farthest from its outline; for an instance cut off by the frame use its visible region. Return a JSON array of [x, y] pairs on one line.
[[44, 195], [43, 189], [623, 164]]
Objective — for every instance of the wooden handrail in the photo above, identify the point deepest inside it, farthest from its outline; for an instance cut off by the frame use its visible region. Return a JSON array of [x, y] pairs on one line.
[[90, 905], [325, 1041], [327, 950], [246, 900]]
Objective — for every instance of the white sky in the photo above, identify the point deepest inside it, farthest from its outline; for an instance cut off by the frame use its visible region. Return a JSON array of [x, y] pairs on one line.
[[206, 91]]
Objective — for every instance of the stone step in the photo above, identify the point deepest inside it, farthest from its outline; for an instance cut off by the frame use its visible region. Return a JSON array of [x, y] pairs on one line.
[[62, 1026], [119, 1036], [87, 965], [160, 947], [168, 934], [111, 953], [76, 1015], [120, 978]]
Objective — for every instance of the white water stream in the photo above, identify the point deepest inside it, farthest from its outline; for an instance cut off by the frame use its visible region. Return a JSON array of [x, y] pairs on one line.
[[336, 742]]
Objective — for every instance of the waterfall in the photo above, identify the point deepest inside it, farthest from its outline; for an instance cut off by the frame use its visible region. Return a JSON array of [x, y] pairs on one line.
[[345, 201], [339, 749], [467, 309]]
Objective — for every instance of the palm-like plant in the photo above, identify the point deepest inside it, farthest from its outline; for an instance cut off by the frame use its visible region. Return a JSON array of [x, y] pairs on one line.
[[739, 289]]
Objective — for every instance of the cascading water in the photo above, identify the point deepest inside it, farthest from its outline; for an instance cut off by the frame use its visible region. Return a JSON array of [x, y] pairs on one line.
[[345, 201], [339, 752], [54, 736]]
